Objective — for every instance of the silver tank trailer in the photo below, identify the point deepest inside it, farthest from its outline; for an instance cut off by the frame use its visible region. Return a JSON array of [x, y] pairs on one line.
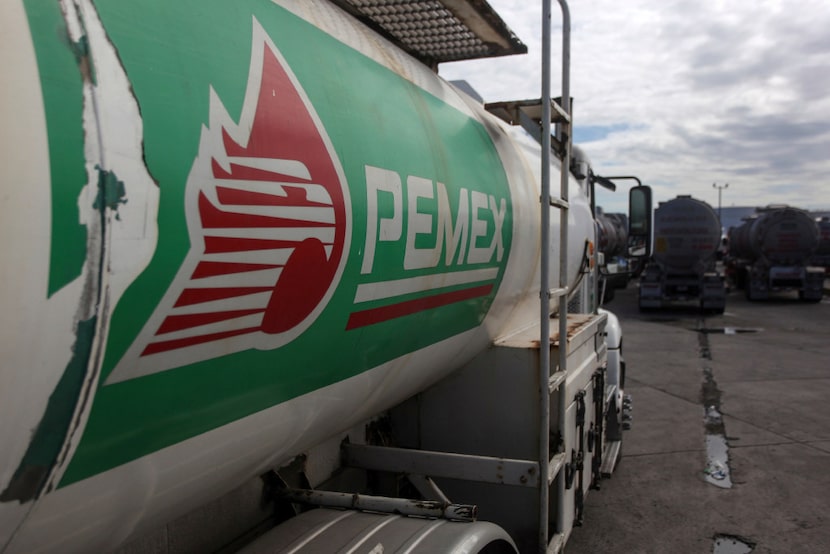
[[687, 233], [613, 233], [779, 235]]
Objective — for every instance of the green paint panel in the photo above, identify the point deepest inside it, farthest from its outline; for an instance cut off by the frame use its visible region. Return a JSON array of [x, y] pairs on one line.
[[172, 59]]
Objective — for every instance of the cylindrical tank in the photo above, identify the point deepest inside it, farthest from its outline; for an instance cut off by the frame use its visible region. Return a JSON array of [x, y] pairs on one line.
[[687, 233], [776, 234], [823, 248], [230, 238], [612, 233]]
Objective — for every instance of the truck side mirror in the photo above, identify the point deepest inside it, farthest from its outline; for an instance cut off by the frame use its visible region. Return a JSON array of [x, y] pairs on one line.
[[639, 222]]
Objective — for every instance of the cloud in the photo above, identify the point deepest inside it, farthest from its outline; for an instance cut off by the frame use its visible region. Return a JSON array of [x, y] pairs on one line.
[[686, 93]]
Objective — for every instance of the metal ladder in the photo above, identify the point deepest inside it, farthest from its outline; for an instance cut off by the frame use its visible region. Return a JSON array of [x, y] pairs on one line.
[[536, 117]]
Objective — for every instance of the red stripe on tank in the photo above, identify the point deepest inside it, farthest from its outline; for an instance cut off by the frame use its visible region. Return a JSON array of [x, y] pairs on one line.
[[198, 296], [386, 313]]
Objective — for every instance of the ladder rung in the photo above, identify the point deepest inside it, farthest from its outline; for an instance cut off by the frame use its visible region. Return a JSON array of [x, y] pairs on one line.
[[558, 114], [556, 380], [555, 466], [559, 203], [557, 292]]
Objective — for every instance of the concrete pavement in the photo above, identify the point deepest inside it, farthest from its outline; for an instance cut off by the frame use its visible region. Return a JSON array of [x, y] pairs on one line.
[[767, 365]]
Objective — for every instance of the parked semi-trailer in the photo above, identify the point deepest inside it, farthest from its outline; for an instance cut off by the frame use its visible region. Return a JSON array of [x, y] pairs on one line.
[[821, 257], [687, 234], [772, 251], [270, 283]]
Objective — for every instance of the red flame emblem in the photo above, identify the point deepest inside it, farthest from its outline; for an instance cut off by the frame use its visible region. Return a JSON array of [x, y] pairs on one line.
[[266, 210]]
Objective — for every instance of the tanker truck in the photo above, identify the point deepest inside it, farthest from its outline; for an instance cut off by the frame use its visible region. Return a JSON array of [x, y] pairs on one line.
[[612, 244], [270, 283], [687, 234], [771, 252]]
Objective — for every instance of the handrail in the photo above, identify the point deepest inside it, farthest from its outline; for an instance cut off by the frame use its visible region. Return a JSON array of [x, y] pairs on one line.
[[544, 286], [563, 234]]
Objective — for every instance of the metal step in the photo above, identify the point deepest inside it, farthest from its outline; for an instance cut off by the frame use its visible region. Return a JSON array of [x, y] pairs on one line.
[[556, 544], [555, 466], [559, 203], [556, 380], [609, 458], [557, 292]]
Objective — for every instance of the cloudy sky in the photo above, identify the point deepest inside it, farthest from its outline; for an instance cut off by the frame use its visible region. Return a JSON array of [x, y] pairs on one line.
[[686, 93]]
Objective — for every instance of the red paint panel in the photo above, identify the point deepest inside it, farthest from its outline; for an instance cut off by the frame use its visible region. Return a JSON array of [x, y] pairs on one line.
[[178, 322], [215, 245], [250, 173], [214, 218], [302, 284], [198, 296], [385, 313], [294, 196], [166, 346], [212, 269]]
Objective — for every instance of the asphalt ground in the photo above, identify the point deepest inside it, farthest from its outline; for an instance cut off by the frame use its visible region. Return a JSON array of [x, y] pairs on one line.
[[761, 373]]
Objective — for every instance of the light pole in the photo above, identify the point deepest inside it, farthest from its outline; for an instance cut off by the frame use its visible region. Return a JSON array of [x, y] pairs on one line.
[[720, 190]]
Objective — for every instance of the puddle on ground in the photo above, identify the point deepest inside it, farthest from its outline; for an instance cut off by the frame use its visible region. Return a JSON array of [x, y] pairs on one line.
[[728, 330], [730, 544], [717, 462], [716, 471]]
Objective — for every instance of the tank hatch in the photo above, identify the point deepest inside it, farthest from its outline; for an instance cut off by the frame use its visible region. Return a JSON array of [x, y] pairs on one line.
[[437, 31]]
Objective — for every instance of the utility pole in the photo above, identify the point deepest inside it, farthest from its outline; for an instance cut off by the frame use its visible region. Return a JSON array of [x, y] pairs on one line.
[[720, 190]]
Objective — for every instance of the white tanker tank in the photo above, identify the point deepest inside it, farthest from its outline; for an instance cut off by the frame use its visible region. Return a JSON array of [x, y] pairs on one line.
[[236, 238], [771, 251], [687, 234]]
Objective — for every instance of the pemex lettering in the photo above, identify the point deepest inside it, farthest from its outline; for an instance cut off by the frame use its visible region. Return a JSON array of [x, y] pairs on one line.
[[421, 220]]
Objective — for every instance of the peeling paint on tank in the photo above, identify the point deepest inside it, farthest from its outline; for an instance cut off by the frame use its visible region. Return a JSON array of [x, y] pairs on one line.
[[111, 191], [116, 208], [47, 442]]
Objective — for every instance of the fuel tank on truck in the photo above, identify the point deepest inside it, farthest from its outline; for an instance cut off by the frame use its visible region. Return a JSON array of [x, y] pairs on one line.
[[780, 235], [233, 230], [687, 233]]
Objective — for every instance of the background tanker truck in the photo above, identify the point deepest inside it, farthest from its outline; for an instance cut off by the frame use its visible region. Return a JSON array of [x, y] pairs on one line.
[[262, 265], [772, 251], [687, 234], [612, 244], [821, 257]]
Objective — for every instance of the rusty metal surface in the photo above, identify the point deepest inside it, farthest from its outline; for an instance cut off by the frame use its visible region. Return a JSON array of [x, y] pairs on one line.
[[437, 31], [529, 338]]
